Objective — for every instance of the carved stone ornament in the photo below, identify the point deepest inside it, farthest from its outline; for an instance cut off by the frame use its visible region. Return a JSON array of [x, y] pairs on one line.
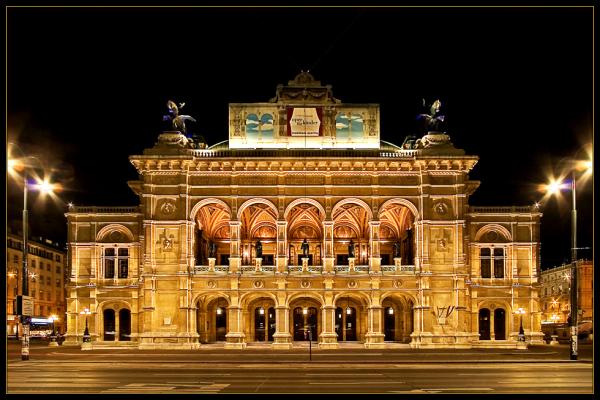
[[211, 284], [259, 284], [168, 208], [352, 284], [305, 284], [491, 236], [492, 306], [397, 283], [440, 208]]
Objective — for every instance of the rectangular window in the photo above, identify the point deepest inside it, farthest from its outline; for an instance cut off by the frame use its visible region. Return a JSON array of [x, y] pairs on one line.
[[16, 259], [123, 267], [58, 269], [486, 263], [498, 263], [48, 267], [109, 268], [33, 264], [57, 258], [48, 281], [58, 283], [49, 296]]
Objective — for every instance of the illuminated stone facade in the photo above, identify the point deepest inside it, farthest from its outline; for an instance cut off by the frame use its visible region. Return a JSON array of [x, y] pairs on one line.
[[394, 249], [555, 292], [47, 269]]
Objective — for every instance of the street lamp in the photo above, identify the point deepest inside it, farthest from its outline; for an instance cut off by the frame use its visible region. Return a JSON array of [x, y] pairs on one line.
[[555, 187], [86, 334], [14, 166], [53, 335], [521, 311]]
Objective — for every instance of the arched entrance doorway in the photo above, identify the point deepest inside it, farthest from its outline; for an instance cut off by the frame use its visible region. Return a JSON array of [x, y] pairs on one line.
[[398, 318], [305, 323], [109, 324], [484, 324], [305, 222], [124, 325], [499, 324]]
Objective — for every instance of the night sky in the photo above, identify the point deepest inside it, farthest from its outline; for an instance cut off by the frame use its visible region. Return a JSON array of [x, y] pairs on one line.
[[87, 87]]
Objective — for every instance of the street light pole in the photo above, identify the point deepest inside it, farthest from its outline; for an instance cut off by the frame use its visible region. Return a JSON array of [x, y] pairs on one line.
[[25, 291], [574, 307]]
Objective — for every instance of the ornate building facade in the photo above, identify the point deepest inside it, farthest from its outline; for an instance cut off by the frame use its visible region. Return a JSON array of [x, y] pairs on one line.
[[304, 225]]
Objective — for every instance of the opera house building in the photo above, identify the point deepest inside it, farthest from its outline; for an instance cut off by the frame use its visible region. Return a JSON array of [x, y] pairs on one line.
[[304, 225]]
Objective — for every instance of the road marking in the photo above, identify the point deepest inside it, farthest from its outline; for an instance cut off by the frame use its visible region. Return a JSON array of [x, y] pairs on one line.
[[408, 391], [351, 374], [191, 374], [356, 383], [459, 389]]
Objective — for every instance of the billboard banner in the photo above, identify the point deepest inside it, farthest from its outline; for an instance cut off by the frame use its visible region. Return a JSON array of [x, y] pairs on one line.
[[305, 121]]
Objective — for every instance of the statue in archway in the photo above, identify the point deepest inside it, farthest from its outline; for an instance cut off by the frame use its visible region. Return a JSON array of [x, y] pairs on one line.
[[351, 249], [304, 248], [258, 248], [212, 250], [397, 249]]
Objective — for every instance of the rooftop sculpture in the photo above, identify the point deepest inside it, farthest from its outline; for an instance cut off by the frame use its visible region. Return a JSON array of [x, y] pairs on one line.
[[432, 121], [177, 121]]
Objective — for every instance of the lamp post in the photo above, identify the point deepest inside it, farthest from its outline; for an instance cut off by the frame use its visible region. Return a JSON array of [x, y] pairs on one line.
[[53, 341], [86, 333], [521, 311], [554, 187], [45, 187]]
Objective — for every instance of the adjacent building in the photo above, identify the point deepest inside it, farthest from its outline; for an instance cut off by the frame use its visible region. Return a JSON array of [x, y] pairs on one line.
[[555, 292], [304, 225], [47, 275]]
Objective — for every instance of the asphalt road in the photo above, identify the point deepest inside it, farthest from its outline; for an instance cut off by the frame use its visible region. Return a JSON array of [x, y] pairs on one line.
[[69, 370]]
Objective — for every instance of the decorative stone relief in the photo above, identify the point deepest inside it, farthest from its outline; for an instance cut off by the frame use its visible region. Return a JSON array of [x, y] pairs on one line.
[[440, 208], [305, 284], [352, 284], [211, 284], [259, 284], [168, 208], [397, 283]]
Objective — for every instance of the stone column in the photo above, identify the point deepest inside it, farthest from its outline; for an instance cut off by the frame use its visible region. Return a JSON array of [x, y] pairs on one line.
[[235, 335], [258, 264], [492, 332], [328, 337], [328, 256], [234, 247], [375, 258], [282, 339], [375, 336], [282, 246], [211, 264], [117, 324]]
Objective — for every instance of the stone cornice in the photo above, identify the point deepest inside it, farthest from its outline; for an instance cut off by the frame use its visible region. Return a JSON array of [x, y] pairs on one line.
[[439, 165]]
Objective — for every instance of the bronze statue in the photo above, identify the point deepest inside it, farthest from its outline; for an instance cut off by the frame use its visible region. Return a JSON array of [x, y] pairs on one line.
[[258, 247], [396, 249], [351, 249], [212, 250], [432, 121], [177, 121], [304, 248]]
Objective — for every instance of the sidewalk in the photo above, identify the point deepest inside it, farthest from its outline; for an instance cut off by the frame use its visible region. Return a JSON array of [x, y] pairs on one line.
[[347, 353]]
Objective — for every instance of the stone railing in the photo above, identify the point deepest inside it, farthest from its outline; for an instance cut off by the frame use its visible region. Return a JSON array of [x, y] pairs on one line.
[[104, 210], [393, 269], [502, 210]]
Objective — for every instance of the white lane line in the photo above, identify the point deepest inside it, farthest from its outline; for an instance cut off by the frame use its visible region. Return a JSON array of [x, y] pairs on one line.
[[332, 374], [459, 389], [355, 383], [192, 374]]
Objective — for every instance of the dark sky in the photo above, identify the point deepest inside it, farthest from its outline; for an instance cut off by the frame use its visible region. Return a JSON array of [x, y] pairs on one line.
[[87, 87]]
